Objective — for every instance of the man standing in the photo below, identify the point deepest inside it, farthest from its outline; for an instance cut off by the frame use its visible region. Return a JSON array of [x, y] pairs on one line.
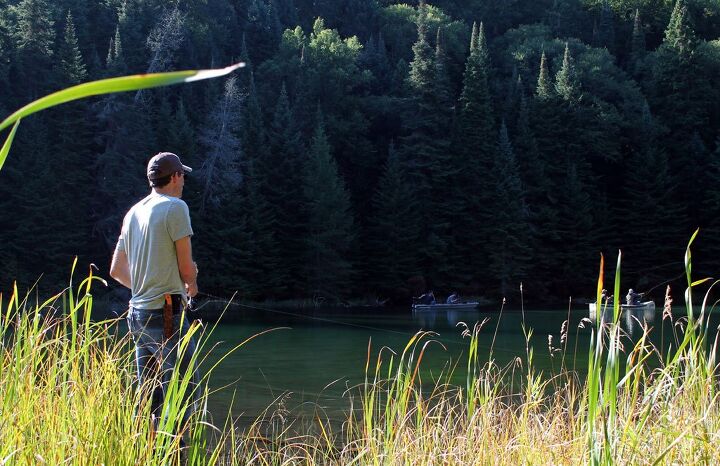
[[153, 258]]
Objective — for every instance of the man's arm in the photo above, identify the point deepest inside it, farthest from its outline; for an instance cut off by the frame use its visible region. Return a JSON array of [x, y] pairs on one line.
[[186, 266], [120, 268]]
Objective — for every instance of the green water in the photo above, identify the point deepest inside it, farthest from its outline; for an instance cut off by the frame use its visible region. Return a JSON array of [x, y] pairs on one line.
[[313, 363]]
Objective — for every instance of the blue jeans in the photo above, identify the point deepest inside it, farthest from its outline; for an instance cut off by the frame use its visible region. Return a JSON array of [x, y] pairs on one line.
[[156, 357]]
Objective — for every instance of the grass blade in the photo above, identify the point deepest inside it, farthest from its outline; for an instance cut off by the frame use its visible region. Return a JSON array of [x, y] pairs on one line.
[[8, 142]]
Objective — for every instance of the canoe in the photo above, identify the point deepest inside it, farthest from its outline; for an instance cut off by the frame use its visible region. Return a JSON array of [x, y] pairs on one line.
[[471, 306], [647, 306]]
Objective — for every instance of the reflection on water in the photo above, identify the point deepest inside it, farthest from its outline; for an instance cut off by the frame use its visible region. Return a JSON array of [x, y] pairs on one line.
[[632, 320], [446, 319]]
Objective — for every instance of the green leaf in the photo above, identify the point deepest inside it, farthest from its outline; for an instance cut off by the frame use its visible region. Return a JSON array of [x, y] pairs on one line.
[[699, 282], [107, 86], [8, 142]]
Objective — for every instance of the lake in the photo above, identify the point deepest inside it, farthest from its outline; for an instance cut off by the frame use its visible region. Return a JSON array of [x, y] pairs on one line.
[[312, 359]]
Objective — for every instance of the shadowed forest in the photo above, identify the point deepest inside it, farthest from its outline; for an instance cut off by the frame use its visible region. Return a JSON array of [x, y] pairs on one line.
[[369, 146]]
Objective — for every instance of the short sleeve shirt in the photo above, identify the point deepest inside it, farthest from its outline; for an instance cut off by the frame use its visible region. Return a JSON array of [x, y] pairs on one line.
[[147, 237]]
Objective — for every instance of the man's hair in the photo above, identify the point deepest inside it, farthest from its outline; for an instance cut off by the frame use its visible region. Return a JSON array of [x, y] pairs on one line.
[[161, 182]]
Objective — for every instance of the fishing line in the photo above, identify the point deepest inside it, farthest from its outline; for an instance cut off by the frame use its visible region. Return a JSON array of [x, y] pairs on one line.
[[664, 283], [217, 299]]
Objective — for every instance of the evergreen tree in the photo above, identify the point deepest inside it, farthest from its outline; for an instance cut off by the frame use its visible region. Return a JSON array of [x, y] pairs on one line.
[[280, 176], [181, 134], [261, 31], [421, 74], [509, 243], [475, 142], [71, 61], [544, 84], [330, 229], [567, 83], [681, 93], [679, 35], [637, 45], [575, 231], [426, 148], [649, 205], [251, 242], [394, 228], [476, 112], [34, 35]]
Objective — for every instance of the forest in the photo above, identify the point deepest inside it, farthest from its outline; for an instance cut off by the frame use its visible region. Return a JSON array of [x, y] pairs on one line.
[[372, 148]]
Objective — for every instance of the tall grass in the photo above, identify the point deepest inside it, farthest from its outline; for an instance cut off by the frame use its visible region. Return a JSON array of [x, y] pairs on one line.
[[68, 395]]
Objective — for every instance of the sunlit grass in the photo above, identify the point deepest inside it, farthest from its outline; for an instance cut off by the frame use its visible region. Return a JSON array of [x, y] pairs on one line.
[[68, 395]]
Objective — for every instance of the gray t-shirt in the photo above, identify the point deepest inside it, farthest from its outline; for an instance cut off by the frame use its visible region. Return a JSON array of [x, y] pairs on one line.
[[148, 236]]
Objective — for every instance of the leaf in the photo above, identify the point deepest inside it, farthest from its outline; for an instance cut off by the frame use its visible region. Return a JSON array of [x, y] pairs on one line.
[[699, 282], [107, 86], [8, 142]]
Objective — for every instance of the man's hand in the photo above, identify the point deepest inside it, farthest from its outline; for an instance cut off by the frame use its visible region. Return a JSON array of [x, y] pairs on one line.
[[191, 289]]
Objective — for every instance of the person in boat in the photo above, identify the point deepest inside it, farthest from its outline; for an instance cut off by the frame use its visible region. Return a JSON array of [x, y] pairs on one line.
[[632, 297], [605, 297], [454, 298], [427, 298]]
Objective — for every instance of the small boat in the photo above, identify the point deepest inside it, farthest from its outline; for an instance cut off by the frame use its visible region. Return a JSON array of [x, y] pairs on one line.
[[646, 306], [470, 306]]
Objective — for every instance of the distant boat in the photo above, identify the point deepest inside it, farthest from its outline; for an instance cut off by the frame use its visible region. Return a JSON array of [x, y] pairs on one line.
[[646, 306], [471, 306]]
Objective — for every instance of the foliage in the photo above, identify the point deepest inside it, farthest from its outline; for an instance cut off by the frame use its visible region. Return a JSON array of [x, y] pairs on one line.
[[570, 78]]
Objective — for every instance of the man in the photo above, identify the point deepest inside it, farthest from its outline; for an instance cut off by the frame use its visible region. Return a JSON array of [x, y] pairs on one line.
[[153, 258], [454, 298], [632, 297]]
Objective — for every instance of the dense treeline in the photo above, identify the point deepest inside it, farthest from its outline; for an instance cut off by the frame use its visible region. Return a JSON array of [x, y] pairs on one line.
[[476, 144]]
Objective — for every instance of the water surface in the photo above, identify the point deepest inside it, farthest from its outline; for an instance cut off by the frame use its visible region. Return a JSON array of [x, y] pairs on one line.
[[312, 361]]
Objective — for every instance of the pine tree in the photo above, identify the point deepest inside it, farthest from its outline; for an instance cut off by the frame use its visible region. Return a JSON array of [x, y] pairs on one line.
[[679, 35], [425, 148], [567, 84], [509, 243], [394, 228], [280, 176], [181, 133], [421, 74], [34, 35], [476, 145], [680, 92], [544, 86], [476, 112], [330, 230], [637, 46], [649, 204], [71, 61], [252, 244], [575, 231]]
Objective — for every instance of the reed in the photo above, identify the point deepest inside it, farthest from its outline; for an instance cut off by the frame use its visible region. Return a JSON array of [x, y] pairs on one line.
[[68, 395]]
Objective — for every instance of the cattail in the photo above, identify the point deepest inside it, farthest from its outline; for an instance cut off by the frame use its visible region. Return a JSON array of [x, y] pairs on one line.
[[667, 308]]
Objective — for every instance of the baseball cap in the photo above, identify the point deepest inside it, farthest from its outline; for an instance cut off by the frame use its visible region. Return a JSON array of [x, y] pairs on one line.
[[164, 164]]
